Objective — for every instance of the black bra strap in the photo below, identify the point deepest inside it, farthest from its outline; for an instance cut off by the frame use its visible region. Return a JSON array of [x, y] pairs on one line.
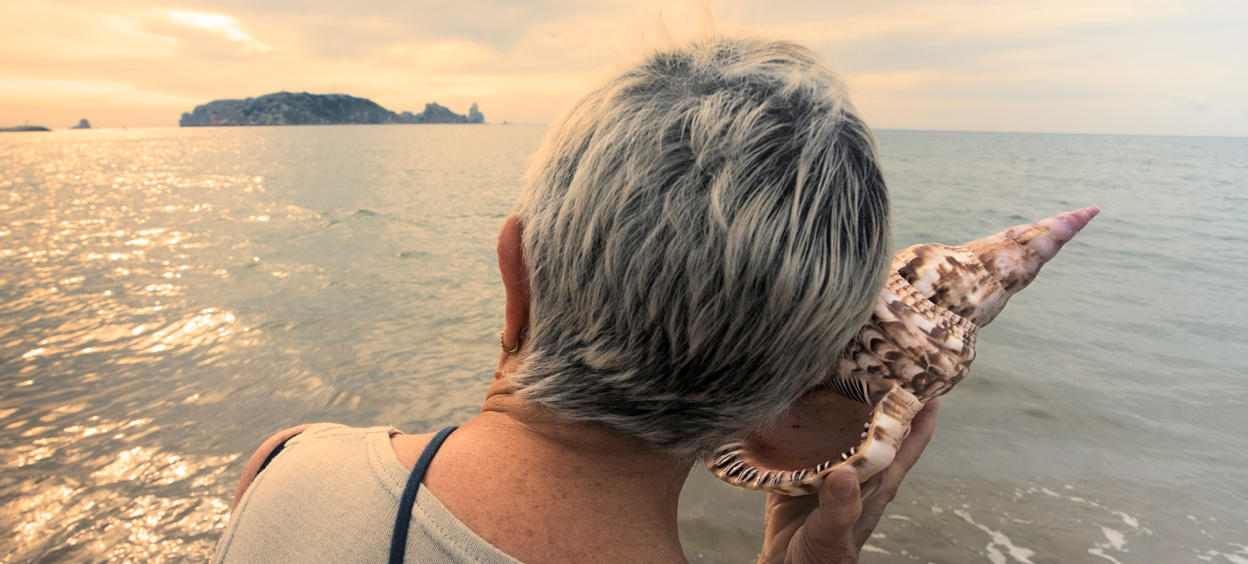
[[273, 454], [403, 521]]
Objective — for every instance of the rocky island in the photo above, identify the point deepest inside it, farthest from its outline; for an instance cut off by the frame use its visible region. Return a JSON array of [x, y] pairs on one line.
[[302, 108], [25, 128]]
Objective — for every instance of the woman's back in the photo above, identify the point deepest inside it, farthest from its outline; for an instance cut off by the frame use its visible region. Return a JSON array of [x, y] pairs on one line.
[[331, 496]]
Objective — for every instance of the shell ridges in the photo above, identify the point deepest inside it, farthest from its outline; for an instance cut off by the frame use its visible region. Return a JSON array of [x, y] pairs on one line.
[[918, 344]]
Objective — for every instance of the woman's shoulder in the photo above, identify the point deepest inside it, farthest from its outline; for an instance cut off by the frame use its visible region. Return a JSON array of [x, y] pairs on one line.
[[292, 436], [261, 455], [408, 447]]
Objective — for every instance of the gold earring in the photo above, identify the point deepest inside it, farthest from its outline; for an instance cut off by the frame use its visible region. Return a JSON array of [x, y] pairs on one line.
[[502, 343]]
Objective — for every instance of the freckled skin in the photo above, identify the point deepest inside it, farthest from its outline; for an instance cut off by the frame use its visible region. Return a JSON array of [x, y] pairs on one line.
[[917, 345]]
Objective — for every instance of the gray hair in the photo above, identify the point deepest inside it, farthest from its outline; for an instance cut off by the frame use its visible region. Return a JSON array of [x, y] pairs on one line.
[[704, 233]]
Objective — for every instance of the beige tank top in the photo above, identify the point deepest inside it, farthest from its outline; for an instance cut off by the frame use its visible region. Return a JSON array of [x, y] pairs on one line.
[[331, 496]]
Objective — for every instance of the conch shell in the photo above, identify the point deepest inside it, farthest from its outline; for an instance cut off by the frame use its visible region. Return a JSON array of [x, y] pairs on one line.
[[918, 343]]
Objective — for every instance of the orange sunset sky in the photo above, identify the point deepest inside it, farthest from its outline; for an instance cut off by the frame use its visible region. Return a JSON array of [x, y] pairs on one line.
[[1079, 66]]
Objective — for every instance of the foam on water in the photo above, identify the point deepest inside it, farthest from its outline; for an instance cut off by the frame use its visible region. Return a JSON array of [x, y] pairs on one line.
[[1019, 554]]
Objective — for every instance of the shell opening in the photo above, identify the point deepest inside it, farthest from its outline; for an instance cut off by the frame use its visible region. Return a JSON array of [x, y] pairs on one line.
[[790, 455], [823, 425]]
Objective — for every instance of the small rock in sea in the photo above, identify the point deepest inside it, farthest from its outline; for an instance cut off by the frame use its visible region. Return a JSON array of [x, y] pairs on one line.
[[25, 128]]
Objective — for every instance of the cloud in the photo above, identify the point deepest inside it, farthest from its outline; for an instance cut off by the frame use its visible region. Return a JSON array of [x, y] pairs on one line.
[[436, 55], [102, 92], [222, 25], [953, 21], [1192, 101], [43, 30], [1007, 65]]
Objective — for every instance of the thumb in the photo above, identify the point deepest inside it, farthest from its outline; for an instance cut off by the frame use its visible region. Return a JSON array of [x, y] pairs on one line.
[[827, 536]]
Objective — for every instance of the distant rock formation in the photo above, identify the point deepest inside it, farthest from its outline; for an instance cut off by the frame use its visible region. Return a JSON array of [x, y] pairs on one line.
[[287, 108], [435, 113], [25, 128], [82, 124]]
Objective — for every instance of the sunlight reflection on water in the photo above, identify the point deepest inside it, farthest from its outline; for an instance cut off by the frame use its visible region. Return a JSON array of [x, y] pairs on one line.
[[170, 298], [141, 265], [100, 511], [104, 232]]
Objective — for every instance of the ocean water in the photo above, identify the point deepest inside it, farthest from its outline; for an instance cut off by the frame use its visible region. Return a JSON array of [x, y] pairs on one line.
[[171, 297]]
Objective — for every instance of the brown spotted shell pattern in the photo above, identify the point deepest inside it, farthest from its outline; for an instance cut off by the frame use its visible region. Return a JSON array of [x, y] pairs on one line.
[[918, 344]]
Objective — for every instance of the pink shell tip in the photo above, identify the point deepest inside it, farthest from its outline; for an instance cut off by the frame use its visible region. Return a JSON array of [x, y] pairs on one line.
[[1085, 214]]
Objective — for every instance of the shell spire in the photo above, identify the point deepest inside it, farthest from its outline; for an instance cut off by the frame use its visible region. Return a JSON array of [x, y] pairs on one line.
[[1010, 260], [918, 343]]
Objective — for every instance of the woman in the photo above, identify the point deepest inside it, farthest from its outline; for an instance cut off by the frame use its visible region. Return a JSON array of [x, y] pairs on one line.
[[696, 241]]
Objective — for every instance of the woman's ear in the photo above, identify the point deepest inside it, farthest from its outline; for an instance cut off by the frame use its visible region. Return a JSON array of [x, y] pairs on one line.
[[515, 274]]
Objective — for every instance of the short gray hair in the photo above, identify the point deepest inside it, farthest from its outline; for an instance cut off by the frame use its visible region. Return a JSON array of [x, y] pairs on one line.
[[704, 233]]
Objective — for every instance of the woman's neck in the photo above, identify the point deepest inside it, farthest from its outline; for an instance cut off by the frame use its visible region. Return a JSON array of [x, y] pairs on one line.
[[546, 490], [586, 447]]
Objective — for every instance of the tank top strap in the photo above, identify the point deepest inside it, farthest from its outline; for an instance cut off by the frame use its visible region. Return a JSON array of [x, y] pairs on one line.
[[403, 521]]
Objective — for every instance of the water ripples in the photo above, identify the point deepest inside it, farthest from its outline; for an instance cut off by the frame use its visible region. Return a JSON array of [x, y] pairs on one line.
[[170, 298]]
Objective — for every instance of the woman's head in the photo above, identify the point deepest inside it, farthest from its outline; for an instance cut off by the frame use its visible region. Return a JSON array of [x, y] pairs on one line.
[[703, 233]]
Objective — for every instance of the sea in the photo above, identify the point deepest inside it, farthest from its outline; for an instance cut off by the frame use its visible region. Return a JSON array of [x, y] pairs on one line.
[[169, 298]]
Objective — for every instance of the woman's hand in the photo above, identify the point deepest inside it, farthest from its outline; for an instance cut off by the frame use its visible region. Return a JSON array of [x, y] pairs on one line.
[[831, 527]]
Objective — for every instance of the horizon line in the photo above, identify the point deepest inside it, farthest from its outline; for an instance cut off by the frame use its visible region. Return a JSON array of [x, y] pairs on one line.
[[972, 131]]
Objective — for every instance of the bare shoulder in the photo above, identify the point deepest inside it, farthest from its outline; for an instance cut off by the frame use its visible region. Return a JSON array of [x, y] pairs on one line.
[[257, 459], [408, 447]]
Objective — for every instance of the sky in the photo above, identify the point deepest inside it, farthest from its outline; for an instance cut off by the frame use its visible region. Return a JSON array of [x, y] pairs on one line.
[[1139, 67]]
